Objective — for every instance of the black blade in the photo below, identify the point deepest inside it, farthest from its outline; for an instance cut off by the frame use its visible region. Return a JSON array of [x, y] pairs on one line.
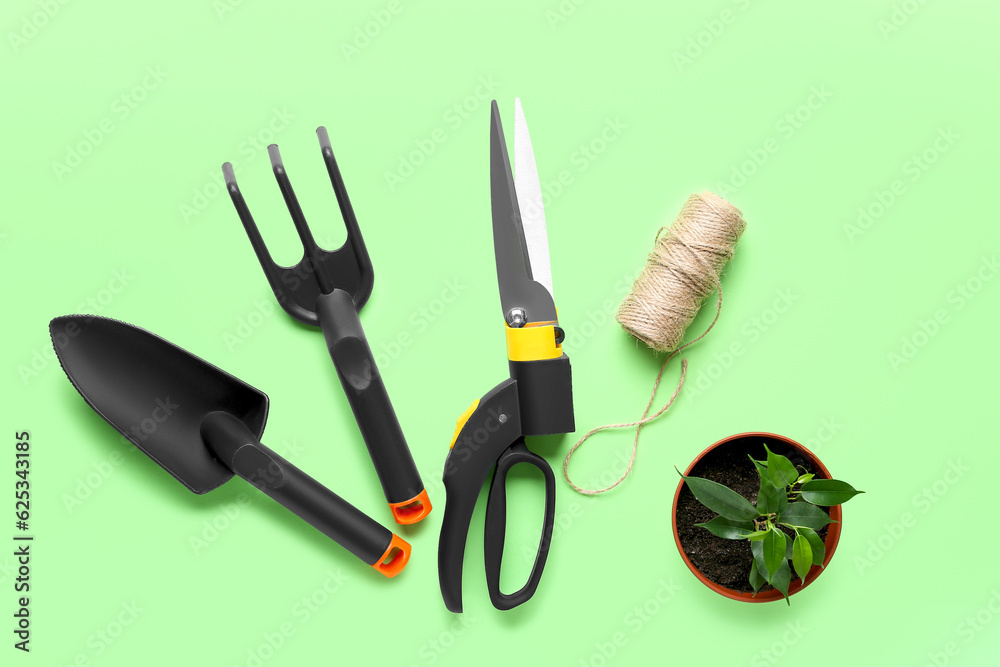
[[517, 288], [154, 393]]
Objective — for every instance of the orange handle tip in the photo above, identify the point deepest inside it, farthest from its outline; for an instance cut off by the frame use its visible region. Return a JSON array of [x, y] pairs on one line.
[[412, 510], [395, 558]]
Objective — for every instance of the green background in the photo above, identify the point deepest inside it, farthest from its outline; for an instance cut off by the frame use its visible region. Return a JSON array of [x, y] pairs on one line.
[[872, 343]]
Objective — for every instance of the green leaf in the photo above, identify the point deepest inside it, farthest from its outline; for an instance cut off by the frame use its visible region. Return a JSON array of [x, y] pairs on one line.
[[804, 514], [782, 578], [770, 498], [721, 499], [781, 498], [815, 543], [774, 549], [804, 478], [757, 535], [828, 492], [728, 529], [756, 579], [788, 548], [802, 557], [757, 549], [780, 469]]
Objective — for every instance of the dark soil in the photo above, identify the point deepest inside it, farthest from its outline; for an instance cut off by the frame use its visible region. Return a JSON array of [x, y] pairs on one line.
[[727, 562]]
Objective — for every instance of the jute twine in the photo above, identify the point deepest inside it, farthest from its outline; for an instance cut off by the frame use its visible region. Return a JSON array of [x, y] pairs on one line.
[[682, 270]]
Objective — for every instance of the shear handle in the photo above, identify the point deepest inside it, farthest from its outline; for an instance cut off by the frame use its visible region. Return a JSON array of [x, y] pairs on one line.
[[496, 525], [482, 435]]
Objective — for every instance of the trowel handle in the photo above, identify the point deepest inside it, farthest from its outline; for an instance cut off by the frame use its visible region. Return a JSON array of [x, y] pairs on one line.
[[369, 400], [230, 440]]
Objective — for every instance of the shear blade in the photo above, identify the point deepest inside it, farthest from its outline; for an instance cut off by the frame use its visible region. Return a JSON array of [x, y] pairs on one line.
[[515, 274], [529, 199]]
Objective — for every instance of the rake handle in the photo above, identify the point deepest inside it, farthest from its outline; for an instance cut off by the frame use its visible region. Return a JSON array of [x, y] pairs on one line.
[[345, 339]]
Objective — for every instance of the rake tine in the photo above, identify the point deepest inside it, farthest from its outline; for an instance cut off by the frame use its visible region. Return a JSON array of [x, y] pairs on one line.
[[346, 210], [312, 251], [270, 268]]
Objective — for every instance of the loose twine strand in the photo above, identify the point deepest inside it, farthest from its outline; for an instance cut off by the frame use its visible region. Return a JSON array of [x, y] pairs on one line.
[[682, 270]]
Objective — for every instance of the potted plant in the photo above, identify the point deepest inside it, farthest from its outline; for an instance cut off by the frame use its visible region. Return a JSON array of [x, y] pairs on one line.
[[756, 516]]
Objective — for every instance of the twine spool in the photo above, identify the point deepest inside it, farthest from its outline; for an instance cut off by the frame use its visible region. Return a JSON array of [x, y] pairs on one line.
[[682, 270]]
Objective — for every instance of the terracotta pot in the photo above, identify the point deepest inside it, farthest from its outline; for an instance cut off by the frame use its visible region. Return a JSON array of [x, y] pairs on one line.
[[832, 534]]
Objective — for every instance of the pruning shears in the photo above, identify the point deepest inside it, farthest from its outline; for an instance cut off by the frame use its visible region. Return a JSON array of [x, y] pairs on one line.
[[537, 398]]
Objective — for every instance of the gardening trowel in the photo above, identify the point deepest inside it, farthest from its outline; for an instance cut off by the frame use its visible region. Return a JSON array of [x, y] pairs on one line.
[[203, 425]]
